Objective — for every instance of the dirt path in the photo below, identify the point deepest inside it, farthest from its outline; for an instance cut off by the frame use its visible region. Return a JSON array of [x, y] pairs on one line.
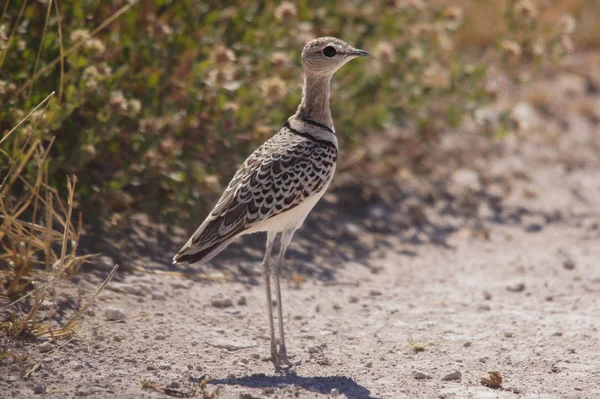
[[513, 288]]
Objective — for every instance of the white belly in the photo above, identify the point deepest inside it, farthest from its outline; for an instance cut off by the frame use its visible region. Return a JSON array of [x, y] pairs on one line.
[[290, 220]]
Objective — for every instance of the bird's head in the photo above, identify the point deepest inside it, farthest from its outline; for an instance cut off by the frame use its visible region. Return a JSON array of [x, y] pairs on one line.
[[325, 55]]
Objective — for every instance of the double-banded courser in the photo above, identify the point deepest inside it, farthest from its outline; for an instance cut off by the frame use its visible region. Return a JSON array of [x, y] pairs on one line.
[[280, 182]]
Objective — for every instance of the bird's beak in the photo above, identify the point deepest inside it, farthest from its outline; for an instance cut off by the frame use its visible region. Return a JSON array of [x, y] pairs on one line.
[[359, 53]]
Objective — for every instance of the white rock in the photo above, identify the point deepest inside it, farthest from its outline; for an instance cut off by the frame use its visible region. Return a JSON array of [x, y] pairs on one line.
[[105, 261], [487, 117], [352, 230], [113, 313], [158, 295], [467, 178], [524, 116]]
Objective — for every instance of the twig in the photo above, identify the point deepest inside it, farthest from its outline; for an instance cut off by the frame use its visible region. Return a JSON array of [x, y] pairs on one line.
[[48, 98]]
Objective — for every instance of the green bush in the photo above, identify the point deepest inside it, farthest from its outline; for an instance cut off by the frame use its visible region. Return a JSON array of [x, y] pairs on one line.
[[156, 110]]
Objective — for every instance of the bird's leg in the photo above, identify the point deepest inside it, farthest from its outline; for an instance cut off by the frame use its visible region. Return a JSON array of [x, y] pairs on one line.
[[267, 276], [286, 237]]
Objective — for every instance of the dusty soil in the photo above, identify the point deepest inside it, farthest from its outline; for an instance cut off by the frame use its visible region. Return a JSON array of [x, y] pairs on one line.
[[498, 270]]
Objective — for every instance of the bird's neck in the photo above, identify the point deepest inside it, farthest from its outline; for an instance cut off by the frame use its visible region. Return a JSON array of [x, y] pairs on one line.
[[315, 100]]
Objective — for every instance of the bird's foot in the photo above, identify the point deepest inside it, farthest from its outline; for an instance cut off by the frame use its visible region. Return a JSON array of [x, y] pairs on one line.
[[284, 359], [280, 358]]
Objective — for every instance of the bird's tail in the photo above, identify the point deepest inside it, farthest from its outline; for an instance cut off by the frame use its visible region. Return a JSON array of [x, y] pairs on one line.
[[192, 253]]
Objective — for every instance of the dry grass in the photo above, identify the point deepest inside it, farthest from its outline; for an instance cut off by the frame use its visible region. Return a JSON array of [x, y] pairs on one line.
[[420, 346], [38, 238]]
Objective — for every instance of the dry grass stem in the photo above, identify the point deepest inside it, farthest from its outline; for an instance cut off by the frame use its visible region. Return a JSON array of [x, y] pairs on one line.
[[37, 235]]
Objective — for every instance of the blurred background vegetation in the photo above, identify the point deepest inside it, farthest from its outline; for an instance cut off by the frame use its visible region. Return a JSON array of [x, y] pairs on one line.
[[158, 101]]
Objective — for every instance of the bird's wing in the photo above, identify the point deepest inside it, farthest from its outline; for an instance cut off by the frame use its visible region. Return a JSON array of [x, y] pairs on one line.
[[277, 177]]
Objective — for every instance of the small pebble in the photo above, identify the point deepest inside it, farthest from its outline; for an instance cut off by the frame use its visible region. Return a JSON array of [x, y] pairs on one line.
[[221, 303], [557, 334], [164, 366], [571, 350], [39, 389], [487, 296], [334, 392], [369, 364], [420, 376], [181, 285], [569, 264], [374, 293], [353, 299], [467, 344], [113, 313], [174, 384], [516, 287], [533, 228], [242, 301], [313, 349], [105, 261], [45, 347], [158, 296], [352, 230], [455, 376], [508, 334]]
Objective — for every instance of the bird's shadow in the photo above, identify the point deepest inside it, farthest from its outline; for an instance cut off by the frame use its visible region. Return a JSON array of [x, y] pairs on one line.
[[345, 385]]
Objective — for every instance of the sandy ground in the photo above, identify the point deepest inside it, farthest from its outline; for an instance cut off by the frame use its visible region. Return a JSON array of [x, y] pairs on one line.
[[503, 275]]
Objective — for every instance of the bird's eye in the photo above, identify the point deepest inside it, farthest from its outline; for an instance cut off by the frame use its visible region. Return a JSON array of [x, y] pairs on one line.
[[329, 51]]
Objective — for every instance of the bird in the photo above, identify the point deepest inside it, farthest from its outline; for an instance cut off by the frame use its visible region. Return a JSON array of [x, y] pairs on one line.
[[281, 181]]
